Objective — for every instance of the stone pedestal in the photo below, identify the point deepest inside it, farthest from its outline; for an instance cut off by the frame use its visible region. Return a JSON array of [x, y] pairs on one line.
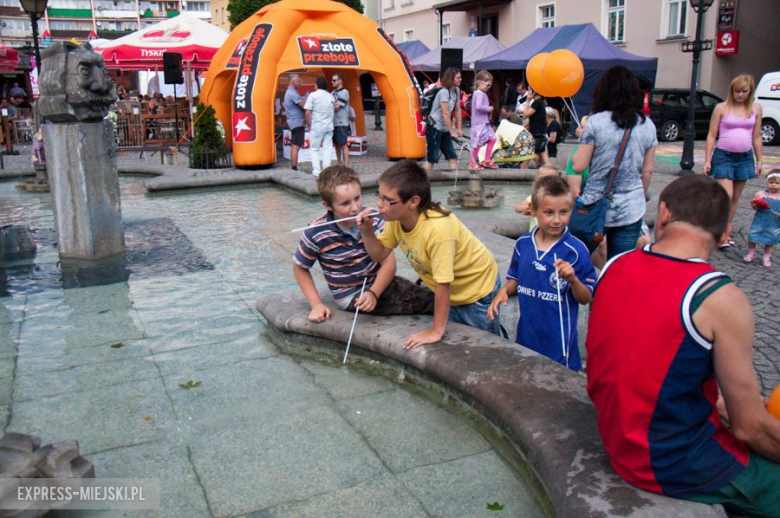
[[81, 160], [40, 184]]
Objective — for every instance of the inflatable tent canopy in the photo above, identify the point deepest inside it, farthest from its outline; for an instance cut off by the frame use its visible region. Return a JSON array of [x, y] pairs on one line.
[[320, 37]]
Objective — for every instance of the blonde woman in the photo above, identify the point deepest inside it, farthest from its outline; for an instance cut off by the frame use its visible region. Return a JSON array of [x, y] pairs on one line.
[[736, 124], [482, 133]]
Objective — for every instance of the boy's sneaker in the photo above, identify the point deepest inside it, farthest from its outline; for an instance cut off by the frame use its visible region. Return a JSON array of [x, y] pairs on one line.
[[750, 256]]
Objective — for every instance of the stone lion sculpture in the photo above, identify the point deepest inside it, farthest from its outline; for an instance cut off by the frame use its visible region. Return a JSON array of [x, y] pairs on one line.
[[74, 84]]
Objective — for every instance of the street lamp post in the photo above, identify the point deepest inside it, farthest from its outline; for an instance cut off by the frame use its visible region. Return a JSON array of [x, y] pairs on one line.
[[696, 46], [35, 10]]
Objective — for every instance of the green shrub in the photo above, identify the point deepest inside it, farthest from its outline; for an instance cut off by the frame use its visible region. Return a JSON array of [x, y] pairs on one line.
[[208, 147], [240, 10]]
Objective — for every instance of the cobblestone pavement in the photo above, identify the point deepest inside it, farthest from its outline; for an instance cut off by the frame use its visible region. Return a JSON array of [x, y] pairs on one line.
[[762, 285]]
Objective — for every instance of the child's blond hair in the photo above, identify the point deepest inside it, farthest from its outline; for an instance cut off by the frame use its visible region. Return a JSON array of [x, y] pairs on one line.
[[484, 76], [547, 169], [549, 186]]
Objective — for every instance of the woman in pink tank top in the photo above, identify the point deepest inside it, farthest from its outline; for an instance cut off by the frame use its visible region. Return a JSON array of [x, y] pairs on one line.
[[731, 160]]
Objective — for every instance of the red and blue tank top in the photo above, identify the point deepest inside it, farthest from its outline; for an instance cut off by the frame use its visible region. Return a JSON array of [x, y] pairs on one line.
[[651, 377]]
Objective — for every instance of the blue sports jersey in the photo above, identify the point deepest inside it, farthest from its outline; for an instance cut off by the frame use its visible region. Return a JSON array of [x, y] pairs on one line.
[[539, 327]]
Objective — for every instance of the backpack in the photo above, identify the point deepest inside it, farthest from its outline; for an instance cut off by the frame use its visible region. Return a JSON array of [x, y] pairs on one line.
[[426, 101]]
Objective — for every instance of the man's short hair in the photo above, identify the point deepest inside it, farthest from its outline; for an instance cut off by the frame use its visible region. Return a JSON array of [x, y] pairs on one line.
[[699, 201], [549, 186], [332, 177], [339, 75], [322, 83]]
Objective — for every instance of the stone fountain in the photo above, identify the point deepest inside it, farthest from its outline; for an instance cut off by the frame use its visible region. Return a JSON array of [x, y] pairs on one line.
[[76, 94], [475, 196]]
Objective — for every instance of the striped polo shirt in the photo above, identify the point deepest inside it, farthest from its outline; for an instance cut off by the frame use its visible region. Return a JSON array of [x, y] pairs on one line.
[[342, 256]]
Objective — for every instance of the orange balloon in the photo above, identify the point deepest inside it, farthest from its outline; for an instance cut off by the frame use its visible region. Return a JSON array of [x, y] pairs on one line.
[[563, 73], [774, 403], [534, 75]]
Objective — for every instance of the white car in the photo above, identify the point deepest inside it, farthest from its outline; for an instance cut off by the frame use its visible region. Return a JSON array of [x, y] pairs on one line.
[[768, 96]]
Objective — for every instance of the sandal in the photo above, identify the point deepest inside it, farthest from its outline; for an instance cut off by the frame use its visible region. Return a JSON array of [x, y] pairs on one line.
[[489, 165], [475, 167]]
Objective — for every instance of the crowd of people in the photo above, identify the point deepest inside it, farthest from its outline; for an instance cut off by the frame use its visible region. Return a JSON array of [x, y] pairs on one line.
[[326, 114], [14, 100], [679, 407]]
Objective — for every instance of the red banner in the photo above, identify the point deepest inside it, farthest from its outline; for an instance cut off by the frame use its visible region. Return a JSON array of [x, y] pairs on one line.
[[727, 43]]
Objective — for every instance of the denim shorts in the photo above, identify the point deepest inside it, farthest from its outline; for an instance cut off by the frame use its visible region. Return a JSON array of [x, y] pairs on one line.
[[732, 166], [623, 238], [439, 142], [298, 136], [340, 134], [475, 314], [540, 143]]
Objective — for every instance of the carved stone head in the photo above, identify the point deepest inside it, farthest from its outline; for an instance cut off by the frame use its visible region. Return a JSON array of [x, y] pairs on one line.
[[74, 84]]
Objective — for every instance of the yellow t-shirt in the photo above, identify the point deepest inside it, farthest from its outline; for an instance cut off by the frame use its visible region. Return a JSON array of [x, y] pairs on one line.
[[442, 250]]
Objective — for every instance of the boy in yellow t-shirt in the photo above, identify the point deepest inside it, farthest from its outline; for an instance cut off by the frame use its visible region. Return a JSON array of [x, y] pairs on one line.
[[453, 263]]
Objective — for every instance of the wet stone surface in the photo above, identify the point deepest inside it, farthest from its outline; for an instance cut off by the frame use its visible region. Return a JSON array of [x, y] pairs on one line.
[[168, 374]]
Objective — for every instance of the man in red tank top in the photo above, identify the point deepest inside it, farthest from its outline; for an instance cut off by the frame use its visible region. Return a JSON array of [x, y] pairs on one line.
[[666, 332]]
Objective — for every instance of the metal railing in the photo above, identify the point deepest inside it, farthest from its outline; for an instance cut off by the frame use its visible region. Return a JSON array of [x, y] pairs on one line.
[[210, 159]]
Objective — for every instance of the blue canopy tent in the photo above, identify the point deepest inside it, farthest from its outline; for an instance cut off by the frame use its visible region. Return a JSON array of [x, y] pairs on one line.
[[594, 50], [413, 48], [474, 49]]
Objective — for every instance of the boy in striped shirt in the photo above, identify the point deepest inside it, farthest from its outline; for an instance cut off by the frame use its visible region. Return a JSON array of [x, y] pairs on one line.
[[344, 261]]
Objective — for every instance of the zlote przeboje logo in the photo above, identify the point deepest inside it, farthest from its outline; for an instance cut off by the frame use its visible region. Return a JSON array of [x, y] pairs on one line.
[[319, 50], [244, 121]]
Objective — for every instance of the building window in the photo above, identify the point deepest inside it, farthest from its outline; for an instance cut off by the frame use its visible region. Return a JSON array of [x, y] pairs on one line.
[[389, 4], [446, 33], [391, 35], [547, 16], [677, 17], [616, 20], [409, 35]]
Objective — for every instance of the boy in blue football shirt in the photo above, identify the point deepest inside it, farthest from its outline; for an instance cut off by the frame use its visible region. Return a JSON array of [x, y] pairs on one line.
[[538, 255]]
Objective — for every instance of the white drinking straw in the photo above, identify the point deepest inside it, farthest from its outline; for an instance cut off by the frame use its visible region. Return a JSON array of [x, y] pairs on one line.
[[354, 321], [560, 312], [324, 223]]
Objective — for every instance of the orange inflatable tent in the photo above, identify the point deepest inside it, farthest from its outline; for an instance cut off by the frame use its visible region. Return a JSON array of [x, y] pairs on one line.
[[297, 35]]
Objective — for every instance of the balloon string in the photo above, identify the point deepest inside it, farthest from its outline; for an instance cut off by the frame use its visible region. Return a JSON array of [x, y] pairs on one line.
[[572, 109]]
